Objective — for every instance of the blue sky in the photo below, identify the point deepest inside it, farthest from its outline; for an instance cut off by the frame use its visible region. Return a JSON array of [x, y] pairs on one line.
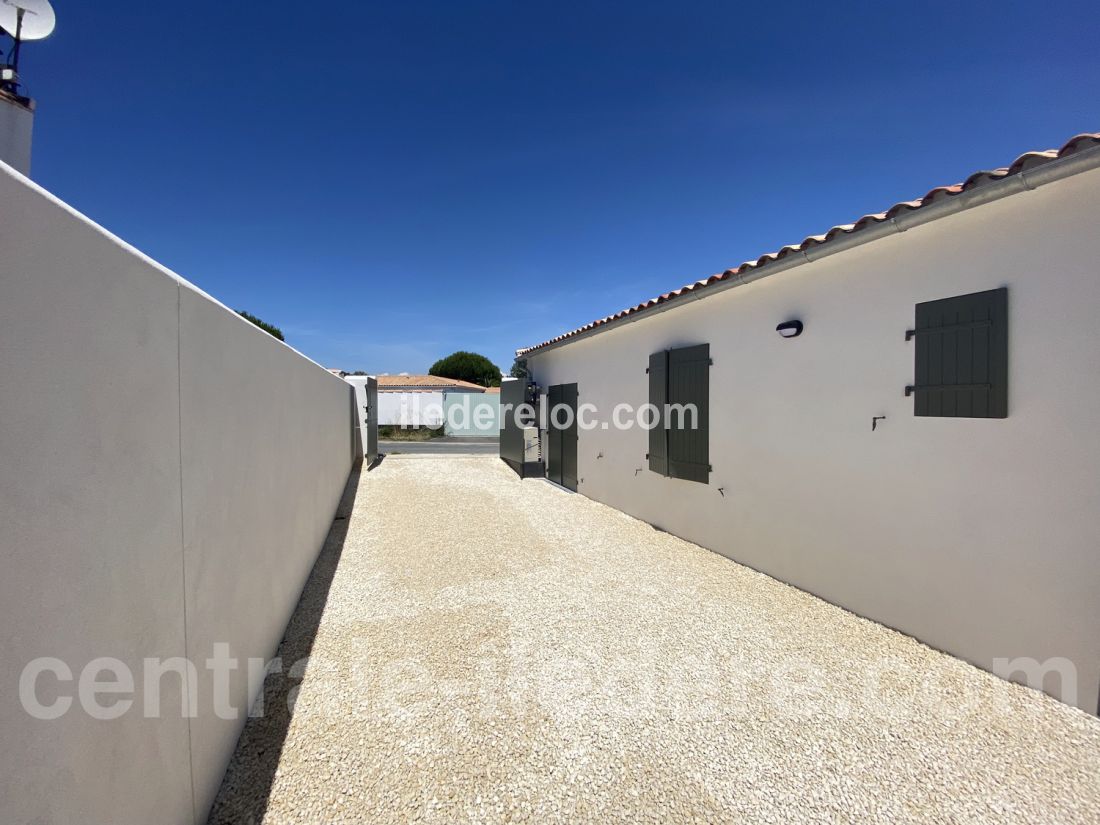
[[389, 182]]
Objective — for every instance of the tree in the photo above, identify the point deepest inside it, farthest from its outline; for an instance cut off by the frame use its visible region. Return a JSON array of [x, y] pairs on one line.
[[270, 329], [467, 366], [519, 368]]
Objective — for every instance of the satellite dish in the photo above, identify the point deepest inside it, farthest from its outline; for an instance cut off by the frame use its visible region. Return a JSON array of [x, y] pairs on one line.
[[27, 19]]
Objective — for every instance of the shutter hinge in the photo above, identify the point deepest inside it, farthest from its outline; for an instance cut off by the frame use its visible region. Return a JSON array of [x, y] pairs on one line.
[[647, 370]]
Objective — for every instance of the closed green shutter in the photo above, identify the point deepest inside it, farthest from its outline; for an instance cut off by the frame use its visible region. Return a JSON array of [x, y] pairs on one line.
[[689, 414], [961, 357], [658, 396]]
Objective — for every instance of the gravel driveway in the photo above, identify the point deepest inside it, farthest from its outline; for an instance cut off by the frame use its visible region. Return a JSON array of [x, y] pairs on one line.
[[483, 649]]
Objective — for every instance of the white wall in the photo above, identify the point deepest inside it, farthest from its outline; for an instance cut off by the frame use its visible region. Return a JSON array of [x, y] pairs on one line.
[[168, 473], [410, 409], [414, 409], [472, 414], [980, 537]]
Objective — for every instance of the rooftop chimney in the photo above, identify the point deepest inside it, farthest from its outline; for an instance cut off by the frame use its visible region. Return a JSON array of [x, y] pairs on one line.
[[23, 21], [16, 124]]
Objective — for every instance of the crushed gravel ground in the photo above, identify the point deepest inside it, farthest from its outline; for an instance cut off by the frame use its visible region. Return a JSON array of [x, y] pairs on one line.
[[485, 649]]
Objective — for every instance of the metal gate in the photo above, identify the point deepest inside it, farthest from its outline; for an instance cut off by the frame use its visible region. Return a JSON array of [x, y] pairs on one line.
[[370, 411], [514, 393], [561, 435]]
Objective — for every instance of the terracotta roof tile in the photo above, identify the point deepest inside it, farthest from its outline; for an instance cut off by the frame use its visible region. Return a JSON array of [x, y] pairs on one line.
[[422, 382], [1023, 163]]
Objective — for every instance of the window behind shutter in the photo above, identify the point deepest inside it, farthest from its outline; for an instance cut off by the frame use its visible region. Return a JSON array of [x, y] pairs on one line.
[[689, 386], [658, 396], [961, 357]]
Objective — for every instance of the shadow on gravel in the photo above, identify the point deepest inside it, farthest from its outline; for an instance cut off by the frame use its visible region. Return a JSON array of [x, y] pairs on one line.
[[245, 791]]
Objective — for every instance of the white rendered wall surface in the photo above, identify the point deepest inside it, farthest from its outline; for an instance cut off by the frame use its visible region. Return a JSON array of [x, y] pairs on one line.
[[472, 414], [980, 537], [420, 408], [410, 409], [168, 473]]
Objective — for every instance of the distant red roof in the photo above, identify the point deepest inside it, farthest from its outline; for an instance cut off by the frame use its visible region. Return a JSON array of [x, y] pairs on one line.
[[397, 383], [1023, 163]]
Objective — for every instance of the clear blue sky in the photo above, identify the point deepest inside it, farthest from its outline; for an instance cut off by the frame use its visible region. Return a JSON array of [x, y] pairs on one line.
[[389, 182]]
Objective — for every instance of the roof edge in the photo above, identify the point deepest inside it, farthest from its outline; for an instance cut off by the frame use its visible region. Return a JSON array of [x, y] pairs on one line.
[[1029, 171]]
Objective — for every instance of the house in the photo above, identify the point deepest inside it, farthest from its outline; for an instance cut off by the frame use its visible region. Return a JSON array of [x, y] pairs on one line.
[[406, 400], [404, 382], [898, 415], [424, 400]]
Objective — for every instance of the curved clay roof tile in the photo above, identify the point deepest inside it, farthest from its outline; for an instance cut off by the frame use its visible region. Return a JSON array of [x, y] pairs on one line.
[[1023, 163]]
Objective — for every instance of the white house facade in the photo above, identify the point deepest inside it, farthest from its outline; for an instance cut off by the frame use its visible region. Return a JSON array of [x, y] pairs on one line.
[[430, 401], [861, 460]]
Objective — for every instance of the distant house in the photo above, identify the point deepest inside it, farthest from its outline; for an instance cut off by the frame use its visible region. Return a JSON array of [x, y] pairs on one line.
[[897, 415], [425, 383], [424, 401]]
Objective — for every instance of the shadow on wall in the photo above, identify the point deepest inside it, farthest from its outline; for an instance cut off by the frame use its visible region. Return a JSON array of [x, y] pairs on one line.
[[245, 791]]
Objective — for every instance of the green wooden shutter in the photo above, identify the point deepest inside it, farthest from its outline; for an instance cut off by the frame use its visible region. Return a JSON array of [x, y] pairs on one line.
[[689, 386], [961, 356], [658, 396]]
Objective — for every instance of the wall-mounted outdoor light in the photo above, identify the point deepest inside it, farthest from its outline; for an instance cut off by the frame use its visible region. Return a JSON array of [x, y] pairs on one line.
[[790, 329]]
